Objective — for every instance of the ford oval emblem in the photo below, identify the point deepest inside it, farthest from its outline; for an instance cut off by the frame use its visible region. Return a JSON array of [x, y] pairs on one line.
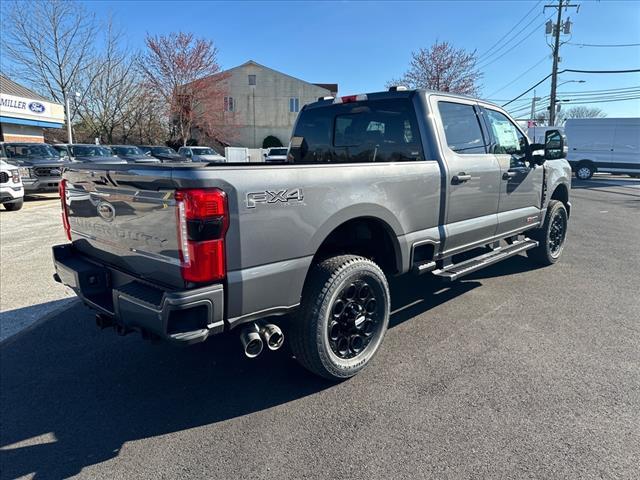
[[106, 211], [36, 107]]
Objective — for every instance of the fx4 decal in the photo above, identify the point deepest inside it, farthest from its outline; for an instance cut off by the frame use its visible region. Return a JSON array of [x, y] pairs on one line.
[[275, 196]]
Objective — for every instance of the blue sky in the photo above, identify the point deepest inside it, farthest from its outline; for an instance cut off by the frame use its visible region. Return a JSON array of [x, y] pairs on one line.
[[361, 45]]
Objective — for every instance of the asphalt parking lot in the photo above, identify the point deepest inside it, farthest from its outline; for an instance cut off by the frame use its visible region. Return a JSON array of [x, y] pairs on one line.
[[514, 372], [28, 290]]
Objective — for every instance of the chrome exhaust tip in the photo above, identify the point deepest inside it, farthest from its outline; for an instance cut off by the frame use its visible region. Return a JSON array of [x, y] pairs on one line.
[[272, 335], [251, 340]]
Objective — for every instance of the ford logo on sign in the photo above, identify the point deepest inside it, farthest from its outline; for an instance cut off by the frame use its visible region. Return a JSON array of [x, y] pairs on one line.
[[36, 107]]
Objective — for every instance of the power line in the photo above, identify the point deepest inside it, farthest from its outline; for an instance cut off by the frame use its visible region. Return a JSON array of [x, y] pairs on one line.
[[512, 29], [520, 76], [606, 101], [621, 89], [570, 70], [602, 45], [526, 91], [488, 61], [634, 70]]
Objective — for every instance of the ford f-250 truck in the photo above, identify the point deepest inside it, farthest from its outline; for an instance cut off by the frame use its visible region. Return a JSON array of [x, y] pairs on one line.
[[375, 185]]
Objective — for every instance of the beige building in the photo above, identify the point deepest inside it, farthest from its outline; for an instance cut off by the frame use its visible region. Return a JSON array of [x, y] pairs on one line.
[[24, 114], [260, 102]]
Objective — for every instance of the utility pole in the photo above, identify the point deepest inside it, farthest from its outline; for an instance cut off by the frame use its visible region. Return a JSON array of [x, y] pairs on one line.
[[533, 108], [556, 51]]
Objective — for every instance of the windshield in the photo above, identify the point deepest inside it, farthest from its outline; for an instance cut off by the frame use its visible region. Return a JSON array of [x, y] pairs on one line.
[[163, 151], [204, 151], [278, 151], [90, 151], [128, 151], [23, 151]]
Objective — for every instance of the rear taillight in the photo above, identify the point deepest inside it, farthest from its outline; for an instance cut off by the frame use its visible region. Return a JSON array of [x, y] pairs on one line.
[[203, 219], [62, 190]]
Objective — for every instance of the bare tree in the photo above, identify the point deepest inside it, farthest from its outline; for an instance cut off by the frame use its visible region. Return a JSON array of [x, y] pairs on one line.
[[50, 43], [578, 111], [184, 72], [109, 90], [442, 67]]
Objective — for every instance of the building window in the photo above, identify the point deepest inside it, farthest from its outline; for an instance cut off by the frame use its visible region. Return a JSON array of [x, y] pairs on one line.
[[294, 104], [252, 79], [229, 105]]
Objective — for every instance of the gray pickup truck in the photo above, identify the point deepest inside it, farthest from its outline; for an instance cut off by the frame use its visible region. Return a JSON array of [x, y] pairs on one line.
[[375, 185]]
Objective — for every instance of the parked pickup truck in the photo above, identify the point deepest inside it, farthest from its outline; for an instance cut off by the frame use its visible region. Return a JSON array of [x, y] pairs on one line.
[[376, 185], [39, 164]]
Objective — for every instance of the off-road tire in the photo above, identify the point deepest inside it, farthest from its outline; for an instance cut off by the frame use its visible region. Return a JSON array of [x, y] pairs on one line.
[[13, 206], [544, 253], [309, 335]]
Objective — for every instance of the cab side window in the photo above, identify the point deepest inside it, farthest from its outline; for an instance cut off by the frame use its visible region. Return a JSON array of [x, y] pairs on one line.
[[508, 140], [462, 128]]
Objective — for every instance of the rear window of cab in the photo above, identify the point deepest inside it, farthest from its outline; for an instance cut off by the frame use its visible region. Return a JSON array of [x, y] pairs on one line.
[[363, 131]]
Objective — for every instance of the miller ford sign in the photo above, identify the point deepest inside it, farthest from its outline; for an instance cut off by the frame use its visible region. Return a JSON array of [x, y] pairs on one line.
[[30, 109]]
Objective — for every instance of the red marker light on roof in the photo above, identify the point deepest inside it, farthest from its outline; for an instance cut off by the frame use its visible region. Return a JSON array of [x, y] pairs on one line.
[[351, 98]]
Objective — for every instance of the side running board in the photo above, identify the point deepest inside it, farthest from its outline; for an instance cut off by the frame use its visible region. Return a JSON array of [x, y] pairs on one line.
[[456, 270]]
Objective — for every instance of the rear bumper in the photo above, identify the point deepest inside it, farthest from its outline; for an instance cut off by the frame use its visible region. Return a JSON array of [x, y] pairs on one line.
[[180, 316]]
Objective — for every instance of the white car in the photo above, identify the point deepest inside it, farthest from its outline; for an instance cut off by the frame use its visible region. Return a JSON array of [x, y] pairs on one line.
[[201, 154], [11, 189], [276, 155]]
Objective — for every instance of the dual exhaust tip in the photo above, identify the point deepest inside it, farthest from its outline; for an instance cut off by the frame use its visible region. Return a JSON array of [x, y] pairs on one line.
[[255, 336]]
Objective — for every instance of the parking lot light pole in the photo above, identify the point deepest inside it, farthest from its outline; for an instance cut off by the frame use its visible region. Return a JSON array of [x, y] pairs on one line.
[[68, 108]]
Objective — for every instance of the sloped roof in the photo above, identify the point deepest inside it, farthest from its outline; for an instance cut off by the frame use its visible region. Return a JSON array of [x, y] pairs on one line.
[[332, 87], [9, 87]]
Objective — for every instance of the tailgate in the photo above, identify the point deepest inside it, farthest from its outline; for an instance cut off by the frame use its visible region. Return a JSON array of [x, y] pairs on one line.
[[126, 217]]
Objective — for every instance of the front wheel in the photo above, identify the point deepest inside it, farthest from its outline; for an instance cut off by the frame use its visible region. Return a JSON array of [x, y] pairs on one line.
[[343, 317], [551, 236], [13, 206]]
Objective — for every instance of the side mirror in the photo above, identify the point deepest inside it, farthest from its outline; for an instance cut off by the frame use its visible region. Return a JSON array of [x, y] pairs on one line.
[[555, 145]]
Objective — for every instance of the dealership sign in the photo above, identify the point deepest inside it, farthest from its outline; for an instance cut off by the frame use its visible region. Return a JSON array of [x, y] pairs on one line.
[[30, 109]]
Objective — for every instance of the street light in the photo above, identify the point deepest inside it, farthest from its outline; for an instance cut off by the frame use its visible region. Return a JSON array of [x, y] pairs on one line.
[[68, 108], [572, 81]]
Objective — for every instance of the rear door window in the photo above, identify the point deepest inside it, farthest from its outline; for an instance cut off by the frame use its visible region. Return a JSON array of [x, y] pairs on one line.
[[365, 131], [461, 128]]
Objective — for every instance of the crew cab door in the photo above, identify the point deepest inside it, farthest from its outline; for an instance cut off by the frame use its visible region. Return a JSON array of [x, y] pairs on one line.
[[520, 180], [472, 175]]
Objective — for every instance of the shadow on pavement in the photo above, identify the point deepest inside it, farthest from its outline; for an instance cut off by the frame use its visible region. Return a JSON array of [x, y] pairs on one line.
[[88, 392], [13, 321], [630, 185]]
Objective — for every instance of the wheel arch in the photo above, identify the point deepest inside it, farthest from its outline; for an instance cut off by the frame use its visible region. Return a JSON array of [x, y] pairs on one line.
[[561, 193], [358, 230]]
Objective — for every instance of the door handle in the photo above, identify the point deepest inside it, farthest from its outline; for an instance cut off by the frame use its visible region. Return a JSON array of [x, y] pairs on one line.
[[460, 178], [508, 175]]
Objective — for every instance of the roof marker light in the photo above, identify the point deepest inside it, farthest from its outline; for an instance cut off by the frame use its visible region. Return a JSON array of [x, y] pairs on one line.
[[351, 98]]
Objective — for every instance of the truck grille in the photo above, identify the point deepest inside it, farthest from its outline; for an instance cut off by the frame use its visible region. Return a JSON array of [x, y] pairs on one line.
[[47, 171], [4, 177]]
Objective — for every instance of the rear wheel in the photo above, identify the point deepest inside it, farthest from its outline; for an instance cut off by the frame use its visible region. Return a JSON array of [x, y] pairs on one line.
[[551, 236], [343, 319], [13, 206]]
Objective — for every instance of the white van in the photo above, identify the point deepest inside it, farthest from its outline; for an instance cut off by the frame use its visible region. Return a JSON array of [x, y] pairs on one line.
[[609, 145]]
